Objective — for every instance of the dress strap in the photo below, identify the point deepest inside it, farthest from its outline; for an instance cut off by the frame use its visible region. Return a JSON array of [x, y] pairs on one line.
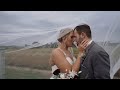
[[62, 51], [71, 51]]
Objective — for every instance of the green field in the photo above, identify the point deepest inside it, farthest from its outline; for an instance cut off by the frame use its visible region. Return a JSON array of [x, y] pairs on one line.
[[26, 73], [32, 58], [37, 58]]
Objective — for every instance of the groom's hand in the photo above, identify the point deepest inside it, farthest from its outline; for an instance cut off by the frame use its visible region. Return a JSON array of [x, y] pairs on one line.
[[82, 46]]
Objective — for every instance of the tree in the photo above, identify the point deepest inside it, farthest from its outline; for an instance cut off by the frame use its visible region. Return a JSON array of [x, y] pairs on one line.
[[35, 43]]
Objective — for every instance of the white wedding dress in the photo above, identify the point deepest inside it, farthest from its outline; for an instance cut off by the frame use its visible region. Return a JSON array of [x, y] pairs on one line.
[[54, 67]]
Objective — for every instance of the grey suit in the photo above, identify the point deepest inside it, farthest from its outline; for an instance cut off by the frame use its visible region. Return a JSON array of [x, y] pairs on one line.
[[95, 64]]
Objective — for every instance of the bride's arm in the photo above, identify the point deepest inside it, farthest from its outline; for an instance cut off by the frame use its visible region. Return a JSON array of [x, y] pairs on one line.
[[82, 46], [76, 65], [61, 62]]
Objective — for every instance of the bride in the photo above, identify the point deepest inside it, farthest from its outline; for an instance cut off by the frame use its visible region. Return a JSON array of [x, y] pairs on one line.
[[62, 59]]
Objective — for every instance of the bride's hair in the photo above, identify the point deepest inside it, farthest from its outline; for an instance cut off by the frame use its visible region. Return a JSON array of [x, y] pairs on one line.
[[64, 33], [63, 38]]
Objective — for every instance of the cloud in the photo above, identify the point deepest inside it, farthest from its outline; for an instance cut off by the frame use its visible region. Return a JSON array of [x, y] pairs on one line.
[[15, 24]]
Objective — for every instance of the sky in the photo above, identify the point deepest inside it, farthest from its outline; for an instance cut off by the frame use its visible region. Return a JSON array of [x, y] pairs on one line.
[[25, 27]]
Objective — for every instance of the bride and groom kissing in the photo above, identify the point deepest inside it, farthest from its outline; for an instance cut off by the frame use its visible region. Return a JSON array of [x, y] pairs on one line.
[[92, 61]]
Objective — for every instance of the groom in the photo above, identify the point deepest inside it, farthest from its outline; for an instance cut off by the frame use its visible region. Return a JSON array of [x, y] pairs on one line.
[[96, 63]]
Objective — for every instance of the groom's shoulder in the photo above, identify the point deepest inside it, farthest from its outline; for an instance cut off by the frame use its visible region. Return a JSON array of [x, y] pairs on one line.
[[97, 48]]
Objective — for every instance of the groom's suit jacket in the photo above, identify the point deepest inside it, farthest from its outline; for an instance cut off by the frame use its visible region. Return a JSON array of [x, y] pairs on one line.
[[95, 64]]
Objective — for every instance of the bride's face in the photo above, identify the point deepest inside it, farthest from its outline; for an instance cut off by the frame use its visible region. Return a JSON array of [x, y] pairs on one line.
[[78, 37], [70, 39]]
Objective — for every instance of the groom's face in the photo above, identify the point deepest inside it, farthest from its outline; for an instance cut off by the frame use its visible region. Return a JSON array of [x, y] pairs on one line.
[[78, 37]]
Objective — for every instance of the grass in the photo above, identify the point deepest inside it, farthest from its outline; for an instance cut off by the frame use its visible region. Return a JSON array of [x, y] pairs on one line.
[[37, 58], [32, 58], [23, 73]]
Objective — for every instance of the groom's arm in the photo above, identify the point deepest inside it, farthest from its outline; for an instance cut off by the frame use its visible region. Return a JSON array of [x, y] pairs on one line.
[[101, 65]]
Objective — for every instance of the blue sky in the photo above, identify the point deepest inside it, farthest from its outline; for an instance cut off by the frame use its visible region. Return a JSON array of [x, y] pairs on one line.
[[29, 25]]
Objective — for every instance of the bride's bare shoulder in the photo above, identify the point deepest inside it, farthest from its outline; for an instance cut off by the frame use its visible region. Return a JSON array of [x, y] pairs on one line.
[[52, 56], [56, 51]]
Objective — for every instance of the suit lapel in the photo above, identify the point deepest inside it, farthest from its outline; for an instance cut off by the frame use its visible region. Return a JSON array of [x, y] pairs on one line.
[[87, 51], [89, 47]]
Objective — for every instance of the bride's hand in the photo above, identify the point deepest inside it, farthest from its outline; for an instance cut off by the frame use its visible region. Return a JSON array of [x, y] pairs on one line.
[[82, 46]]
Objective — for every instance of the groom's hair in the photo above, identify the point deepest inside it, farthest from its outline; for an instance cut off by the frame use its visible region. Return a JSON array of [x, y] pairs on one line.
[[84, 28]]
